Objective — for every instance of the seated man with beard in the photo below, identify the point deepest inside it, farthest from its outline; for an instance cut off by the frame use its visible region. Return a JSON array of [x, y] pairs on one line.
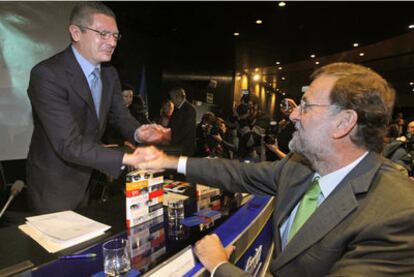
[[341, 208]]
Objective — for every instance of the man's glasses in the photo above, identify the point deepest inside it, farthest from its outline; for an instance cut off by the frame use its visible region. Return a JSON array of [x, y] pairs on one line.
[[104, 34], [304, 106]]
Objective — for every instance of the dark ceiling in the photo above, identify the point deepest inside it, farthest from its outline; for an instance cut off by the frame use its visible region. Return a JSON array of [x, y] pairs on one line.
[[200, 34]]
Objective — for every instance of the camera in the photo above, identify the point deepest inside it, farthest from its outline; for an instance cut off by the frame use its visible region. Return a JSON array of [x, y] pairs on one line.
[[269, 139], [215, 130], [242, 109], [271, 133], [284, 105]]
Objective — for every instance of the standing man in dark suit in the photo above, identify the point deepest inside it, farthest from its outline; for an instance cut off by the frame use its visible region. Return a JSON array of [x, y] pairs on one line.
[[341, 208], [73, 95], [183, 123]]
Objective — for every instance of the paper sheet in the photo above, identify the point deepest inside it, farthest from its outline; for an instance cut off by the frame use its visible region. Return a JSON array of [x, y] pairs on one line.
[[61, 230], [65, 225]]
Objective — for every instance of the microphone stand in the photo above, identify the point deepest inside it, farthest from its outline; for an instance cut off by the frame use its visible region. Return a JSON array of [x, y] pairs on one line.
[[7, 205]]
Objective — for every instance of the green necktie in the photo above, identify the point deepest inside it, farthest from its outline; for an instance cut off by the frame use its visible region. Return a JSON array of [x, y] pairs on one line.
[[307, 206]]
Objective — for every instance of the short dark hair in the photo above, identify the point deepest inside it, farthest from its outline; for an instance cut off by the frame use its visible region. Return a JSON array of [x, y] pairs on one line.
[[127, 86], [392, 131], [361, 89], [82, 13], [177, 92]]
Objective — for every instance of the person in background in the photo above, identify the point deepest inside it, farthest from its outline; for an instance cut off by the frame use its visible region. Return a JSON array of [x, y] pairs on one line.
[[342, 209], [410, 138], [73, 95], [127, 96], [220, 140], [166, 111], [183, 122], [400, 121], [112, 137], [394, 149], [138, 110], [285, 128], [252, 127]]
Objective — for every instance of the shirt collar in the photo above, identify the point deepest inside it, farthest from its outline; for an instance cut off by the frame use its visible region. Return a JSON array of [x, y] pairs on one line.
[[330, 181], [87, 66]]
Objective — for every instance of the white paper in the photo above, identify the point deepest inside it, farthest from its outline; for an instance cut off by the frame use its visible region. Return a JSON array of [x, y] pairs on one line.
[[57, 231], [66, 225], [51, 245]]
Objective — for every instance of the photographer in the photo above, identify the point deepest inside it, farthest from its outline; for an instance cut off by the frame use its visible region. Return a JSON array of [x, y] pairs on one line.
[[224, 144], [285, 128], [202, 132], [252, 126], [270, 141], [394, 149]]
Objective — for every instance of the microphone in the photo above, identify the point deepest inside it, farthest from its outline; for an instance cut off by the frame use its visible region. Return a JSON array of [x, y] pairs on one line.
[[15, 189]]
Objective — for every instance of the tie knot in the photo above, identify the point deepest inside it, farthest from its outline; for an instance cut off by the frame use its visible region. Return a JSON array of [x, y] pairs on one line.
[[314, 189]]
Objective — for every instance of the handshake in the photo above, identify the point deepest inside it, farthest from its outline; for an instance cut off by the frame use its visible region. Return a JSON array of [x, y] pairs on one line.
[[151, 158]]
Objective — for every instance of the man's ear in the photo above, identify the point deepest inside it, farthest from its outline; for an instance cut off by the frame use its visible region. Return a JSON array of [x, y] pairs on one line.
[[74, 32], [345, 122]]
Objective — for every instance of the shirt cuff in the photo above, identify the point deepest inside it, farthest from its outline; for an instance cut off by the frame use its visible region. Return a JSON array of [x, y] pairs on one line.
[[182, 164], [217, 266]]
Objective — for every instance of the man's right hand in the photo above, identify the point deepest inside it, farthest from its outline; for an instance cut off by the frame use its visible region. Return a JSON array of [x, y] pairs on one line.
[[152, 159]]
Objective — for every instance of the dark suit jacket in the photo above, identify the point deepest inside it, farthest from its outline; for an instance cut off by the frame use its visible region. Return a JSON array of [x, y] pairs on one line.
[[364, 228], [65, 144], [183, 128]]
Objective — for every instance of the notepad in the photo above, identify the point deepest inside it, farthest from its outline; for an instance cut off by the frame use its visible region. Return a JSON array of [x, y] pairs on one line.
[[57, 231]]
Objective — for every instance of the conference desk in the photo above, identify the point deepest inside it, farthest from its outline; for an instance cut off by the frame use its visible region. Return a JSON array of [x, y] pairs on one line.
[[249, 228]]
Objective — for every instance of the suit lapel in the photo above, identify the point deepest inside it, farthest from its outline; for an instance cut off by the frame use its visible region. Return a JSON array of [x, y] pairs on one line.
[[333, 210], [78, 80], [290, 198]]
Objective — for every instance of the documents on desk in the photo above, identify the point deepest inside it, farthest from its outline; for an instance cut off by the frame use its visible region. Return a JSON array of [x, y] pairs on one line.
[[57, 231]]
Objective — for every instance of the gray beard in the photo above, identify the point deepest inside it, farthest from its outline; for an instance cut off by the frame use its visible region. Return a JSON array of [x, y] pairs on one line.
[[309, 151]]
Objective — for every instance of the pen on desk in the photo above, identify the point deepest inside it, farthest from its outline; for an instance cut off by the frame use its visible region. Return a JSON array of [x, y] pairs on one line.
[[78, 256]]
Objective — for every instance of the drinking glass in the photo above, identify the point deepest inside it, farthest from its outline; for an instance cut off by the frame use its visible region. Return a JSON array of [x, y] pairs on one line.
[[116, 257]]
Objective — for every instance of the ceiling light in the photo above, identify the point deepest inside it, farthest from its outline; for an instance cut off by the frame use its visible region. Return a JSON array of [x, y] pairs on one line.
[[312, 56], [280, 68], [282, 4], [256, 77], [283, 94], [259, 21], [356, 44], [411, 83], [236, 34], [283, 78], [361, 54], [277, 62], [413, 89], [411, 26], [316, 62]]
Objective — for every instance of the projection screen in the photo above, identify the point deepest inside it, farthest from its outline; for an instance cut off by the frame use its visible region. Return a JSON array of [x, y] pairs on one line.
[[29, 33]]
